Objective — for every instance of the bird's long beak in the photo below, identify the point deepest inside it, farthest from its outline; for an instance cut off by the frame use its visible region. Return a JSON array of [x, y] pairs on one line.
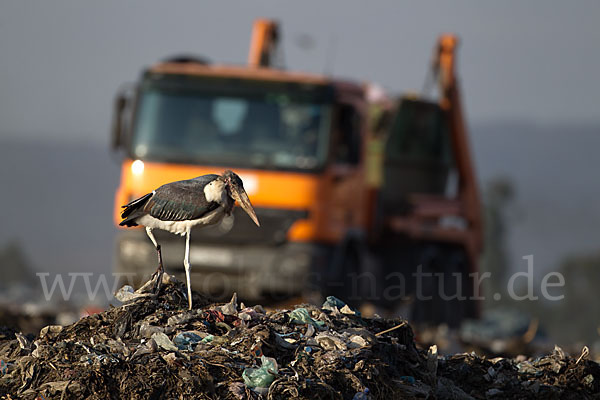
[[241, 196]]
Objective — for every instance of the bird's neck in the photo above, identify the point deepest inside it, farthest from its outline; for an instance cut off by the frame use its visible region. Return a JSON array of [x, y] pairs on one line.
[[216, 191], [228, 205]]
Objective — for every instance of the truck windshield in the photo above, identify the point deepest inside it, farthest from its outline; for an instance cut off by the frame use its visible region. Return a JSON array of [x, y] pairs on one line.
[[239, 123]]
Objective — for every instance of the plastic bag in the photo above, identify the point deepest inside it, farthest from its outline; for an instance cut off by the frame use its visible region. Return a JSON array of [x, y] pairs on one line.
[[261, 377], [186, 340], [301, 316], [332, 302]]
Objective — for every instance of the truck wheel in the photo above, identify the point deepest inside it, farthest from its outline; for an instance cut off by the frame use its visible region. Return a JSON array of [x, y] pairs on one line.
[[446, 285]]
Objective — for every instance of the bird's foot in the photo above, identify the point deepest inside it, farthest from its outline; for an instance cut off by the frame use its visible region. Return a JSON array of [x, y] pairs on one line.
[[158, 275]]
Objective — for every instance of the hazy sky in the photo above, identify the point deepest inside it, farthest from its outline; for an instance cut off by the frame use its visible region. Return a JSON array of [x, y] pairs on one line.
[[62, 61]]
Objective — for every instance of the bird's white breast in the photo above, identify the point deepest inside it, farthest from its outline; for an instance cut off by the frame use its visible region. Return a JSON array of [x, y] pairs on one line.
[[182, 227]]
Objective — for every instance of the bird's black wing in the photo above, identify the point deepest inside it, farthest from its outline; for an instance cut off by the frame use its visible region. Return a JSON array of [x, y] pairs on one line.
[[182, 200]]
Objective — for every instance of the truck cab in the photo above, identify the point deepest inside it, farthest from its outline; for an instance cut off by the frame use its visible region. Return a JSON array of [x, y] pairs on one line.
[[296, 141]]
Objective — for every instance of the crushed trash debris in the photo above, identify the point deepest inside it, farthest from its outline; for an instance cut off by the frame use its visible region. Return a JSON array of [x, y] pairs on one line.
[[153, 347], [164, 342], [503, 332], [364, 395], [50, 331], [231, 307], [126, 294]]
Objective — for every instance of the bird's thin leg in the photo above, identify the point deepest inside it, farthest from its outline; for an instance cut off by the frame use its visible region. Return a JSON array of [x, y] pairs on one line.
[[186, 263], [159, 271]]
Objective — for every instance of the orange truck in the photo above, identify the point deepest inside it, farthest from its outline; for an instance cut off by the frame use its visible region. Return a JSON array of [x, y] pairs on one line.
[[367, 197]]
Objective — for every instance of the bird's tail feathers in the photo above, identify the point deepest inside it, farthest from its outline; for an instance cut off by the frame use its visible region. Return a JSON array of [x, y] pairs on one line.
[[132, 206], [138, 200]]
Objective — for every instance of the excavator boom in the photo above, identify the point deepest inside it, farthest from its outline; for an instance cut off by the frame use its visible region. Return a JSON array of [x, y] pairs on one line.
[[450, 101], [263, 43]]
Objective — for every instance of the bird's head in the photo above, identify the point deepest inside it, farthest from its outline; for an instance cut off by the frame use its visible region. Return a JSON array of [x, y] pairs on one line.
[[235, 188]]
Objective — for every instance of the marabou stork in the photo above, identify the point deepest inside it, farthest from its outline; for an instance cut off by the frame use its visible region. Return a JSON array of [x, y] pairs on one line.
[[176, 207]]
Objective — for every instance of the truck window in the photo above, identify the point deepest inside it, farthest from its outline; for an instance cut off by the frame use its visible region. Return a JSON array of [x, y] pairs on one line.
[[238, 124], [229, 114]]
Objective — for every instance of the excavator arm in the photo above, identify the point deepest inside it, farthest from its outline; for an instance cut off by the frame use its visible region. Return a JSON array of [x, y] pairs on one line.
[[444, 63], [264, 43]]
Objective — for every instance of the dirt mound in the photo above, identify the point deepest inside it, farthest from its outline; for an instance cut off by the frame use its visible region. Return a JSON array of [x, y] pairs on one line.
[[154, 348]]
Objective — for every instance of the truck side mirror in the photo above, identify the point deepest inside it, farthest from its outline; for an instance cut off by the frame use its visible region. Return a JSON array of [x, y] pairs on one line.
[[121, 117]]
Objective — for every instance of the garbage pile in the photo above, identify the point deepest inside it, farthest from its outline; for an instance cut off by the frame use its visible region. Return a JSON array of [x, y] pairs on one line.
[[152, 347], [498, 333], [24, 322]]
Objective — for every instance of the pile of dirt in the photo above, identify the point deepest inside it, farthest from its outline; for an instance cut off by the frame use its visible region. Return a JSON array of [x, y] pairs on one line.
[[152, 348]]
